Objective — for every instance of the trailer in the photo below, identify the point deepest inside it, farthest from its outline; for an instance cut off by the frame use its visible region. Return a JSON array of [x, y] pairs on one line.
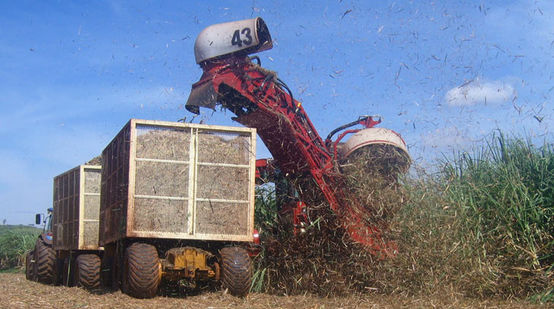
[[75, 225], [67, 252], [177, 205]]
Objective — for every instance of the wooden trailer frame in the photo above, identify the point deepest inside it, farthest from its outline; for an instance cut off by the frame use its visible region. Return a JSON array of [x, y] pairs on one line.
[[118, 192], [70, 203]]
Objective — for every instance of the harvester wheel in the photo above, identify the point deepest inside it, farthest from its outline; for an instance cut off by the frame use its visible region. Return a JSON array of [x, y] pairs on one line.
[[141, 271], [236, 275], [29, 274], [45, 263], [87, 271]]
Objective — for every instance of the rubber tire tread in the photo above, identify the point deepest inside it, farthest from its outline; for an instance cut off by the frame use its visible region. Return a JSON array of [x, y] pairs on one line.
[[142, 266], [87, 273], [46, 263], [29, 266], [236, 273]]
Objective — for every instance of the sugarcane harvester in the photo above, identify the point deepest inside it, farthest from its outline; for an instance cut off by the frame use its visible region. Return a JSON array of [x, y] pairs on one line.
[[259, 99]]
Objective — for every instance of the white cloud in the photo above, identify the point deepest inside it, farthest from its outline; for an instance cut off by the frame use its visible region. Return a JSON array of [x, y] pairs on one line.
[[480, 92]]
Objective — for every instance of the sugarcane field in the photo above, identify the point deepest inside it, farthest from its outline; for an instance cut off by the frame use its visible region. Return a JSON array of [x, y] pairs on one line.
[[319, 154]]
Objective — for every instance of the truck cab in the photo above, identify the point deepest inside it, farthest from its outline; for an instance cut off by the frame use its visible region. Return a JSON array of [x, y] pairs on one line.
[[40, 262], [46, 222]]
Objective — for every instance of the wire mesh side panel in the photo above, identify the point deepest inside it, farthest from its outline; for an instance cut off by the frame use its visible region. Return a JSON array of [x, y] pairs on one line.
[[66, 210], [162, 176], [91, 207], [115, 187], [223, 183]]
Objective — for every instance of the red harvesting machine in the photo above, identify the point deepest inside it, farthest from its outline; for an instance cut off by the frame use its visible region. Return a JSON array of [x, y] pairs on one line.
[[259, 99]]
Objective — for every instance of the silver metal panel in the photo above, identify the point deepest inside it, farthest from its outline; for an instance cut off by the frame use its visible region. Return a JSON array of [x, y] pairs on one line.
[[249, 35]]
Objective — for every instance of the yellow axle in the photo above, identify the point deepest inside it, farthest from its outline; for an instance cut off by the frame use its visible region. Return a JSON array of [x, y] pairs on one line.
[[190, 263]]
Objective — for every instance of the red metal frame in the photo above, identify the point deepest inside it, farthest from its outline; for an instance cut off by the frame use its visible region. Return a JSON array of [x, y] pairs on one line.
[[265, 172], [300, 217], [258, 99]]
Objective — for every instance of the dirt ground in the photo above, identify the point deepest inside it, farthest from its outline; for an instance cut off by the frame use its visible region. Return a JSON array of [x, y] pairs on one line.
[[16, 292]]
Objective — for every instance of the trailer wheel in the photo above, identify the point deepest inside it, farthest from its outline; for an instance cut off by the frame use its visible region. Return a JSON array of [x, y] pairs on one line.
[[236, 273], [87, 271], [45, 263], [141, 271], [29, 267]]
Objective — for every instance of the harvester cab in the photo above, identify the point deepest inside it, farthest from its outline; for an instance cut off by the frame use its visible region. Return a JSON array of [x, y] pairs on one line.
[[259, 99]]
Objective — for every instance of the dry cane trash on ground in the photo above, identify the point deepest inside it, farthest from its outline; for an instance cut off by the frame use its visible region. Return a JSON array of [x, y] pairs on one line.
[[17, 292]]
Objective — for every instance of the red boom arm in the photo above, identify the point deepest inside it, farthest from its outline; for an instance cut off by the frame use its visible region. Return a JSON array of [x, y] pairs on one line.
[[260, 100]]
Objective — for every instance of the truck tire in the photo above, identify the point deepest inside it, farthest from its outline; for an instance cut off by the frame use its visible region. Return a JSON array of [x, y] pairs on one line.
[[236, 274], [141, 271], [45, 263], [29, 271], [87, 271]]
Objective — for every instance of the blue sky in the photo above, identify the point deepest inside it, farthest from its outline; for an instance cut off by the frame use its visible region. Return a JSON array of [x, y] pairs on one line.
[[444, 74]]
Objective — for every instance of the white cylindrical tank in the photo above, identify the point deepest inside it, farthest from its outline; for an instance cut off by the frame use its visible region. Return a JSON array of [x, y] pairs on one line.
[[373, 136]]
